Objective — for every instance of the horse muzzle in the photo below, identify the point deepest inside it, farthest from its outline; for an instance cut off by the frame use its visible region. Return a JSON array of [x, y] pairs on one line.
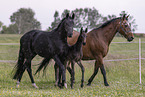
[[130, 38], [69, 34], [84, 43]]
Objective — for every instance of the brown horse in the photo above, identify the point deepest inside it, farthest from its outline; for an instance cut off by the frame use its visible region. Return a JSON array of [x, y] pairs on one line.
[[98, 41]]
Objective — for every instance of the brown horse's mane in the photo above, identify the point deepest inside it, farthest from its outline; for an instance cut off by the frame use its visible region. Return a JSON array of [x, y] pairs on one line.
[[108, 22]]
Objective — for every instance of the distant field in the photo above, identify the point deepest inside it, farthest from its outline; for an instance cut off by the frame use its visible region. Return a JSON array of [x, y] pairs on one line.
[[123, 76], [10, 38]]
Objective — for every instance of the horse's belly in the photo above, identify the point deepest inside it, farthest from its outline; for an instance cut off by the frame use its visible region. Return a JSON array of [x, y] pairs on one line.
[[88, 58], [44, 50], [48, 52], [44, 53]]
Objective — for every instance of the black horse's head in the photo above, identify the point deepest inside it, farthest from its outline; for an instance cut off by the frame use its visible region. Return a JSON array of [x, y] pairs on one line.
[[83, 35], [68, 24], [124, 28]]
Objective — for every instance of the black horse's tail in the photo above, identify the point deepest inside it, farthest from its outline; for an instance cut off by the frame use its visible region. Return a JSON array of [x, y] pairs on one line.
[[44, 64], [19, 66]]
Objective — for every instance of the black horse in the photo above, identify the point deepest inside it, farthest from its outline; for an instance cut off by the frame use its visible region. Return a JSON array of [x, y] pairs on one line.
[[74, 54], [46, 44]]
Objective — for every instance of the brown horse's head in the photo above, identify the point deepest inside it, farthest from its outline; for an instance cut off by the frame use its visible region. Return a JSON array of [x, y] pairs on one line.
[[124, 28], [83, 35]]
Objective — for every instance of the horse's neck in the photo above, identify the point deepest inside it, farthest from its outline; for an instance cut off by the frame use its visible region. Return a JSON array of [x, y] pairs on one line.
[[109, 33], [60, 32], [79, 43]]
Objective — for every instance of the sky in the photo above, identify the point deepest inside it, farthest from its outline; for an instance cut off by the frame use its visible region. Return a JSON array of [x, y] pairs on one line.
[[45, 9]]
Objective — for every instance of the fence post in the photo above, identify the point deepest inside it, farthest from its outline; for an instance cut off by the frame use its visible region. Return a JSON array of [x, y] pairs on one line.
[[140, 59]]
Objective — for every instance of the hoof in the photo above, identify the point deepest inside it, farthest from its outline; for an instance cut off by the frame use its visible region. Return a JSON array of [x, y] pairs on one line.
[[34, 85], [60, 86], [56, 84], [72, 87], [89, 84], [82, 85], [17, 86], [65, 85], [106, 84]]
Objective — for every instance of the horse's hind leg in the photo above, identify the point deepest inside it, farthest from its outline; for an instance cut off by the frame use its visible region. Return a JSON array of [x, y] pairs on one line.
[[104, 75], [94, 74], [29, 70], [20, 76], [20, 68], [83, 70], [61, 68], [70, 71]]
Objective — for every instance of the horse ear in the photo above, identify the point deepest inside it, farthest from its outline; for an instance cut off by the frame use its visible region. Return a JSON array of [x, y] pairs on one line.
[[73, 16], [67, 15], [127, 17], [81, 30], [86, 30], [124, 17]]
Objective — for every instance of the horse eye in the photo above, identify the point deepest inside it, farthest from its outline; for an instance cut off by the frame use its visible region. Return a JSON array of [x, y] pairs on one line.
[[126, 25]]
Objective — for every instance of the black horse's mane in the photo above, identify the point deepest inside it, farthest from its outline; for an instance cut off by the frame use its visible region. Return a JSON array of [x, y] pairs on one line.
[[60, 23]]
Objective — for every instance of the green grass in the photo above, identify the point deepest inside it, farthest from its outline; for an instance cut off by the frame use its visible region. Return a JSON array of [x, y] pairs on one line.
[[123, 76], [9, 38]]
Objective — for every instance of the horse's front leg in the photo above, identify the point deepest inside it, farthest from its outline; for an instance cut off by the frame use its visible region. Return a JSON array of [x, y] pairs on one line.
[[104, 75], [72, 74], [83, 70], [59, 76], [61, 69], [56, 74]]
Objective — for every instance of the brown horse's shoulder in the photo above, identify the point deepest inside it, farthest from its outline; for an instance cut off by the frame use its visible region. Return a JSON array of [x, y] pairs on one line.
[[96, 46]]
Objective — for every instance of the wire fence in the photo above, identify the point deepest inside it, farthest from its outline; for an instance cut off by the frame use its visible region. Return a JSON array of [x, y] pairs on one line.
[[14, 61], [138, 58]]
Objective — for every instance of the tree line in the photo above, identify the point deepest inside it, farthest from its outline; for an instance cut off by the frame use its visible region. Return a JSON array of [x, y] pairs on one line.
[[24, 20]]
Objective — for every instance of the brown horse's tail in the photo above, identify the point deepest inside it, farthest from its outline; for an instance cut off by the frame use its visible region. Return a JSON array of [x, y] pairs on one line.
[[44, 64], [19, 67]]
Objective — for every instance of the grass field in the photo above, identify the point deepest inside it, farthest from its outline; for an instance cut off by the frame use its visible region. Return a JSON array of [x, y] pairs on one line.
[[123, 76]]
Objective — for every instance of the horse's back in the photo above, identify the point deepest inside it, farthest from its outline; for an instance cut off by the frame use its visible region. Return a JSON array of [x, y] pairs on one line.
[[94, 44], [45, 44], [28, 39], [29, 35]]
